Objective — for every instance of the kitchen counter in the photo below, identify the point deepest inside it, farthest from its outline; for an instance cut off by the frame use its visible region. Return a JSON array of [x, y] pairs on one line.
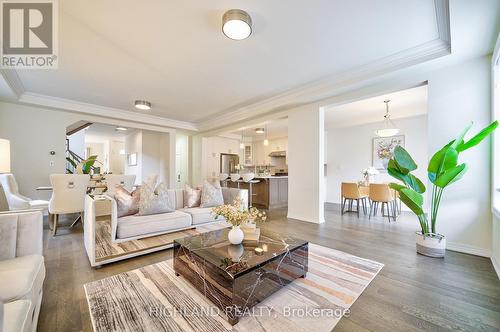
[[272, 177]]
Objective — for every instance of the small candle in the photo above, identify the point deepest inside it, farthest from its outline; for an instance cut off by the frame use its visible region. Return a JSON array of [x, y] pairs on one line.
[[259, 251]]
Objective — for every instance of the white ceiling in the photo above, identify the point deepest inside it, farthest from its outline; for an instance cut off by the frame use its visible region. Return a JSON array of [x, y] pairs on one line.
[[99, 130], [173, 53], [275, 129], [405, 103]]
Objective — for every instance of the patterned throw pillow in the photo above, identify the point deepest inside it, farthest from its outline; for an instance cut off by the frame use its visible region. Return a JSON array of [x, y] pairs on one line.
[[154, 201], [192, 197], [127, 204], [211, 195]]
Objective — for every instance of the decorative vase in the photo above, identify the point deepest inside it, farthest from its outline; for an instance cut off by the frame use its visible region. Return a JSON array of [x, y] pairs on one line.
[[235, 251], [235, 235], [432, 245]]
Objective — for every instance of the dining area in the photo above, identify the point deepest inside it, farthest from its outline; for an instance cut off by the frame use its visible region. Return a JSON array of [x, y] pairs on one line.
[[370, 199]]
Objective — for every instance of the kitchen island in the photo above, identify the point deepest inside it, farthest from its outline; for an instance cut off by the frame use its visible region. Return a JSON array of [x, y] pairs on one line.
[[270, 193]]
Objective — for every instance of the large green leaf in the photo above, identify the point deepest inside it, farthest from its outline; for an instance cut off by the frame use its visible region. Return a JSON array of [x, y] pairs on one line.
[[404, 159], [407, 178], [478, 137], [461, 136], [410, 198], [451, 176], [445, 158]]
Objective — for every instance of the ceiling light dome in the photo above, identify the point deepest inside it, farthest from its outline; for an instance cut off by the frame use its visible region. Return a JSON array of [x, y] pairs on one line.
[[142, 105], [236, 24]]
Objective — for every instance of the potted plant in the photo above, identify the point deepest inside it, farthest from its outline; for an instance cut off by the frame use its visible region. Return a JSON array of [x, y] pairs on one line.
[[236, 215], [443, 170]]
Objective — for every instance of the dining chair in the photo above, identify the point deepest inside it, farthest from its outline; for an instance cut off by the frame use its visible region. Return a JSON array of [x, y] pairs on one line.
[[381, 193], [68, 196], [350, 193]]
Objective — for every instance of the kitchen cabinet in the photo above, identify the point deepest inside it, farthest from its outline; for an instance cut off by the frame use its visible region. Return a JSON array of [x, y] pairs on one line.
[[271, 193]]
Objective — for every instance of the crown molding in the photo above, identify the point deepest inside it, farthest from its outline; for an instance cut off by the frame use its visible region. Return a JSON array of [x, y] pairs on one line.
[[322, 89], [13, 81], [97, 110]]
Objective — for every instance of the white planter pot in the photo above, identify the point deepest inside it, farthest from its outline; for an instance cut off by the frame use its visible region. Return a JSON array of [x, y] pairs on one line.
[[432, 245], [235, 235]]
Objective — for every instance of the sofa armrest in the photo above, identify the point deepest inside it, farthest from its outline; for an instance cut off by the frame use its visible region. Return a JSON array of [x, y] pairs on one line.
[[114, 217], [230, 194], [21, 233]]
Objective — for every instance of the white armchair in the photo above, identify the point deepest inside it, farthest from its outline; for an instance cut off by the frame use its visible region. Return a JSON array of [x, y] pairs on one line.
[[15, 200], [22, 269]]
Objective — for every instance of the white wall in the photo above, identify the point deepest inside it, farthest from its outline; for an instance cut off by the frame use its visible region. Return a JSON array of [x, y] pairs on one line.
[[306, 164], [181, 160], [350, 151], [33, 133], [457, 95], [495, 256], [77, 143], [116, 160], [133, 144], [155, 156]]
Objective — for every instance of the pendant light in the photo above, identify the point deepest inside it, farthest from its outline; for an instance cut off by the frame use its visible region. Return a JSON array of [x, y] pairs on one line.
[[388, 127], [242, 144], [266, 141]]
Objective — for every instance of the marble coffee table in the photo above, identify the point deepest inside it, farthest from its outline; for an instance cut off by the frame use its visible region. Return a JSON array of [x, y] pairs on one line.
[[235, 278]]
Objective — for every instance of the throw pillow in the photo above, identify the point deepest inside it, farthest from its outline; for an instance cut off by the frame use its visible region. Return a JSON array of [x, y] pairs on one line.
[[192, 197], [127, 203], [155, 201], [211, 195]]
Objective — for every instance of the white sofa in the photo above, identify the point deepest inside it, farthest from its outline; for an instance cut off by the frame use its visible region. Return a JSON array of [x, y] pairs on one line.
[[22, 269], [138, 227]]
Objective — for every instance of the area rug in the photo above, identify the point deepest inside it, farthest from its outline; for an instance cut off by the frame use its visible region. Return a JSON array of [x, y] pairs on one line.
[[153, 298]]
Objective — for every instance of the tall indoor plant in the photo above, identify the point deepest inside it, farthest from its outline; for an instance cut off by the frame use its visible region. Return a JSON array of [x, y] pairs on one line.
[[443, 170]]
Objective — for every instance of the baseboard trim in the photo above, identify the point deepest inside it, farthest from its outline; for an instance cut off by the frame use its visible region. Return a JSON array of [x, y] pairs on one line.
[[299, 218], [496, 265], [468, 249]]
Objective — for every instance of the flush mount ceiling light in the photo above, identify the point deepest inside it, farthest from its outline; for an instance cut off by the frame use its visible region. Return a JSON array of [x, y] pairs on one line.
[[388, 127], [121, 128], [259, 131], [236, 24], [142, 105]]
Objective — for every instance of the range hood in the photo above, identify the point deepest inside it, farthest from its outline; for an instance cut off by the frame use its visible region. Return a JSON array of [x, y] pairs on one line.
[[278, 154]]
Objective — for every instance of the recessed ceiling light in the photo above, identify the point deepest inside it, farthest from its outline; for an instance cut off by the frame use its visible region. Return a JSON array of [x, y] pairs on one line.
[[236, 24], [142, 105], [121, 128], [259, 130]]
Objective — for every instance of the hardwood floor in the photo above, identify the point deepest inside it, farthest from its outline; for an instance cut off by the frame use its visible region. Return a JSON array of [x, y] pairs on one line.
[[411, 293]]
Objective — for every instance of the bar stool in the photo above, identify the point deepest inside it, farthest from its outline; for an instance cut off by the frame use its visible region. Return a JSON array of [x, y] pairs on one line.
[[235, 178], [249, 179], [223, 179]]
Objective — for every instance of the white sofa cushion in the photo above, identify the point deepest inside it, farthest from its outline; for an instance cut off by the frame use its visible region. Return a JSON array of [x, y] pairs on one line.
[[16, 316], [22, 278], [132, 226], [202, 215]]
